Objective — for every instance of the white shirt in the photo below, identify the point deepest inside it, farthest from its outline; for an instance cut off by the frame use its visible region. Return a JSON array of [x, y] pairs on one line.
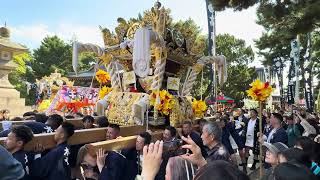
[[238, 122], [141, 160], [250, 132]]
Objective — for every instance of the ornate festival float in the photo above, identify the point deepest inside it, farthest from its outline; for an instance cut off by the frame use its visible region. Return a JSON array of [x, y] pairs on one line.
[[55, 93], [152, 68]]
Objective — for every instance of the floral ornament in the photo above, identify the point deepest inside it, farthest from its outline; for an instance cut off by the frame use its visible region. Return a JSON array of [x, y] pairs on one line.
[[102, 76], [164, 103], [260, 91], [104, 91], [199, 108], [44, 105]]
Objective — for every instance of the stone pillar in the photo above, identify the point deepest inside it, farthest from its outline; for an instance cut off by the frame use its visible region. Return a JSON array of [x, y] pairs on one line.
[[5, 68]]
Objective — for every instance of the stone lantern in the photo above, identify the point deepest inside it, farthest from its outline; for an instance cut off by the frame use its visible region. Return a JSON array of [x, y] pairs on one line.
[[9, 97]]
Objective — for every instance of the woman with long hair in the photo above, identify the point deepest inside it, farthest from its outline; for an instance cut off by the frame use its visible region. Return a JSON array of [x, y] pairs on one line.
[[179, 169]]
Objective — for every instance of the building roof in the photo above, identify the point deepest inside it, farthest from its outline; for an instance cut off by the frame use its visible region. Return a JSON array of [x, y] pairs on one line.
[[81, 75]]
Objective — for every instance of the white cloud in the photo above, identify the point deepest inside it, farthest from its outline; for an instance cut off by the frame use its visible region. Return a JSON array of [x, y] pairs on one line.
[[32, 35], [240, 24], [85, 34], [29, 35]]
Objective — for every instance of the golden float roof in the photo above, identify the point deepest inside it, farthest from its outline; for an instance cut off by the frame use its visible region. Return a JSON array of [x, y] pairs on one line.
[[183, 47]]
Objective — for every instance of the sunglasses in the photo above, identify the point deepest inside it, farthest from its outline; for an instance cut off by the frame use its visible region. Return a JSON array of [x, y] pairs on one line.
[[86, 166]]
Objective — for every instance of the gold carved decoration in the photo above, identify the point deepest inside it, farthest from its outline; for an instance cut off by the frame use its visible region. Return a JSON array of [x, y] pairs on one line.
[[190, 48], [181, 111], [120, 107]]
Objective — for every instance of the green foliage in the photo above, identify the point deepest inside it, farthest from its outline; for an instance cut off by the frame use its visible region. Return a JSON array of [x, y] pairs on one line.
[[234, 49], [86, 60], [239, 78], [21, 60], [238, 56], [188, 28], [52, 54], [235, 4], [21, 75], [273, 45], [284, 21], [293, 17]]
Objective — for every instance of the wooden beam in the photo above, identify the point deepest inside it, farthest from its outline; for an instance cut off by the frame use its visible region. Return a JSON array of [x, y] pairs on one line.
[[131, 130], [120, 143], [112, 145], [77, 122], [82, 136]]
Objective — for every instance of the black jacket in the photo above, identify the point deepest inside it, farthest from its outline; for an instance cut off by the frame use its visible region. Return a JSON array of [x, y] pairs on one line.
[[133, 162], [52, 166], [38, 127], [26, 160], [219, 152], [279, 136], [115, 167], [228, 130]]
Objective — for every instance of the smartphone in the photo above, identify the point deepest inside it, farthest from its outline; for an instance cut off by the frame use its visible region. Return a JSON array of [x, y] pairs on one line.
[[172, 145], [174, 148]]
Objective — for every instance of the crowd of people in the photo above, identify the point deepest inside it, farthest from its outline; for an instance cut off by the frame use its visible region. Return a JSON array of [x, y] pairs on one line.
[[220, 147]]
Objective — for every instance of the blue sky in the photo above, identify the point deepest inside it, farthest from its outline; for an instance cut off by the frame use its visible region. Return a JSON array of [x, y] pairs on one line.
[[31, 20]]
